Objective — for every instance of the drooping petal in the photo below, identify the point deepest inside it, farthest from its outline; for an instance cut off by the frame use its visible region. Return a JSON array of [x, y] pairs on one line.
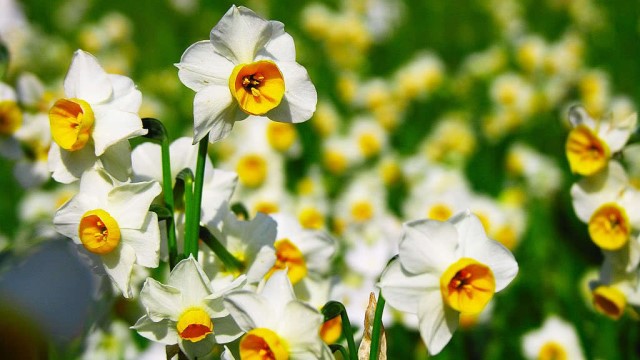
[[213, 113], [403, 290], [129, 203], [427, 246], [112, 126], [86, 79], [189, 277], [300, 96], [145, 242], [126, 97], [249, 310], [162, 331], [68, 166], [200, 66], [116, 160], [118, 265], [437, 322], [161, 301], [239, 35]]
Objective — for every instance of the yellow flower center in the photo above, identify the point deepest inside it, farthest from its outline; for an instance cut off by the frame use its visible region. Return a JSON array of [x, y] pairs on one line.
[[263, 344], [362, 211], [331, 330], [281, 135], [586, 152], [99, 232], [258, 87], [609, 301], [266, 207], [311, 218], [369, 145], [10, 117], [551, 350], [71, 123], [609, 227], [467, 285], [252, 170], [335, 161], [194, 324], [289, 256], [440, 212]]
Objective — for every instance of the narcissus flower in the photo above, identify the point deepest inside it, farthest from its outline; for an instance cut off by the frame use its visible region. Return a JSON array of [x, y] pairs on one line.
[[187, 311], [616, 286], [112, 220], [248, 68], [556, 339], [92, 123], [277, 325], [609, 205], [591, 142], [445, 269]]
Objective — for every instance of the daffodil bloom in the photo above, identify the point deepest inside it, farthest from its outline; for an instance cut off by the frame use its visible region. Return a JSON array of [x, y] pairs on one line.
[[445, 269], [616, 286], [187, 311], [247, 68], [591, 142], [10, 122], [112, 220], [609, 205], [276, 324], [92, 123], [556, 339]]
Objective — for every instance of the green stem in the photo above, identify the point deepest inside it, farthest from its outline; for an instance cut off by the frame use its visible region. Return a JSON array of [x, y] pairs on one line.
[[193, 222], [340, 348], [187, 177], [229, 261], [377, 327], [333, 309], [172, 244]]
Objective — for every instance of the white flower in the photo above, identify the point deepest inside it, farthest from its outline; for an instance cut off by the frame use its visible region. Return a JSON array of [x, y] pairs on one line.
[[91, 125], [31, 169], [609, 205], [112, 220], [276, 322], [246, 69], [445, 269], [186, 311], [556, 339], [591, 142]]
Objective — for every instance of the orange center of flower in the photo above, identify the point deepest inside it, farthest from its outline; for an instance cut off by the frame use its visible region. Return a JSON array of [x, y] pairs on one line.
[[281, 136], [252, 170], [609, 301], [258, 87], [194, 325], [467, 285], [99, 232], [263, 344], [331, 330], [586, 152], [609, 227], [552, 351], [71, 123], [289, 256]]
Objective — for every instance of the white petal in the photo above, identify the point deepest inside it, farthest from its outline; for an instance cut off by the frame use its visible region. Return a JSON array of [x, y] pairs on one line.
[[240, 34], [403, 290], [97, 184], [300, 96], [200, 66], [161, 301], [437, 322], [216, 192], [427, 246], [116, 160], [213, 112], [263, 262], [299, 326], [86, 79], [188, 276], [112, 126], [578, 116], [68, 166], [199, 349], [145, 162], [278, 290], [250, 310], [126, 97], [226, 329], [129, 203], [591, 192], [281, 46], [118, 265], [163, 331], [145, 242]]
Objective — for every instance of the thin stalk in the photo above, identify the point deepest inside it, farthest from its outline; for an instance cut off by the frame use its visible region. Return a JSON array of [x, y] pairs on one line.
[[377, 326], [229, 261], [172, 244], [333, 309], [193, 223], [189, 237], [341, 349]]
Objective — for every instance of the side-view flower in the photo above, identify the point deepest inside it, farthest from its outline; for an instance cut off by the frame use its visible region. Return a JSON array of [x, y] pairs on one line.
[[445, 269]]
